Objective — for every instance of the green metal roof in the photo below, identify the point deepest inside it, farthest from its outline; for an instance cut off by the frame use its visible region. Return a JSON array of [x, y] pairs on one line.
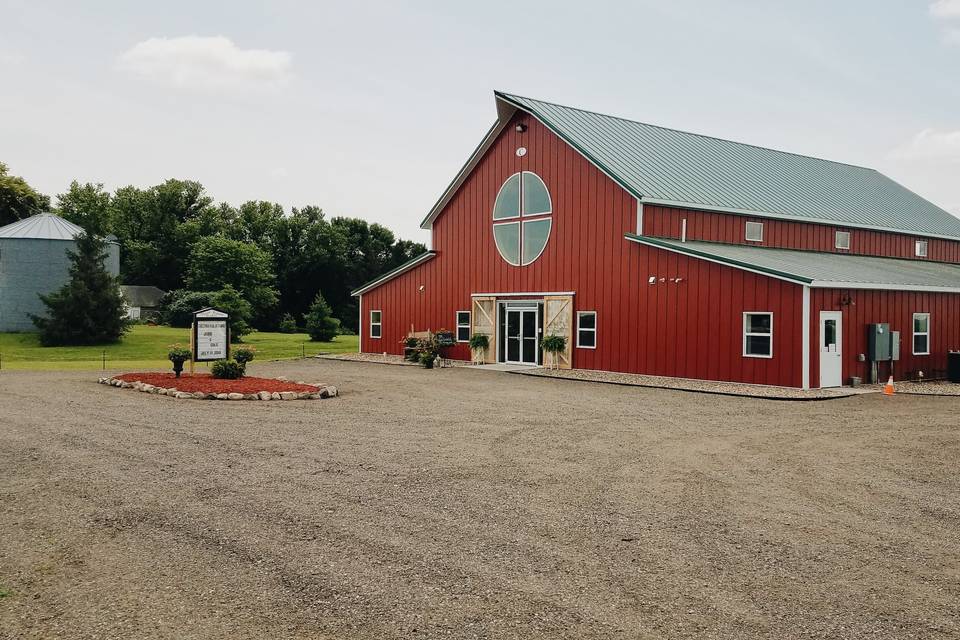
[[821, 270], [666, 166], [390, 275]]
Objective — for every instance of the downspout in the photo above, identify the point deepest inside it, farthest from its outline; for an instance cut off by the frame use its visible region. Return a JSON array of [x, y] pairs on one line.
[[805, 339]]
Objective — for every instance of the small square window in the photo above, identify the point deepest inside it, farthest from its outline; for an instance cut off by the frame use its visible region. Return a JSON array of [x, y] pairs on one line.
[[463, 326], [921, 249], [921, 334], [842, 240], [758, 334], [587, 329], [754, 231], [376, 326]]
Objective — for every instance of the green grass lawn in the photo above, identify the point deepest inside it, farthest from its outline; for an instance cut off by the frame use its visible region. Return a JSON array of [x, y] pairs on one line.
[[146, 347]]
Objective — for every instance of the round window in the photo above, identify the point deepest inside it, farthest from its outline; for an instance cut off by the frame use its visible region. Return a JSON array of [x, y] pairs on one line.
[[522, 218]]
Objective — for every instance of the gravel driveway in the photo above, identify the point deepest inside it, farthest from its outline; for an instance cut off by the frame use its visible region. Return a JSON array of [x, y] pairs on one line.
[[468, 504]]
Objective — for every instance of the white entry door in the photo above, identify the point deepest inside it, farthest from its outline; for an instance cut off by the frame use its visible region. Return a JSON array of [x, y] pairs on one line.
[[831, 349]]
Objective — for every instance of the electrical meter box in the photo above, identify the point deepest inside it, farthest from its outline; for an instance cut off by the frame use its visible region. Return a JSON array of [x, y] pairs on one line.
[[878, 341], [894, 345]]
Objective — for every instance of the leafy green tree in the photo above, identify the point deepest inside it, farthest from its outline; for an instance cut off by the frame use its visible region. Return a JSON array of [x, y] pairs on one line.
[[18, 199], [321, 325], [89, 309], [229, 300], [87, 205], [217, 262], [178, 306]]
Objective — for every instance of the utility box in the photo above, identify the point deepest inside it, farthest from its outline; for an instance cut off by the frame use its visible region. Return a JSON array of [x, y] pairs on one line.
[[894, 345], [879, 344]]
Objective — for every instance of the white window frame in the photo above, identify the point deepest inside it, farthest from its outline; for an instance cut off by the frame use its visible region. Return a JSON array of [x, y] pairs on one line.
[[747, 334], [836, 242], [378, 325], [914, 333], [466, 326], [746, 231], [917, 248], [580, 315]]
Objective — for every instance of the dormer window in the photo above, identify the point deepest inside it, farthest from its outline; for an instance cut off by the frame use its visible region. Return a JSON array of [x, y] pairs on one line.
[[754, 232], [921, 249], [842, 240]]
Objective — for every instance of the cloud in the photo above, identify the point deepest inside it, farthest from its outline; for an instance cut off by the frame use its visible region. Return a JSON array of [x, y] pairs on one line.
[[931, 144], [945, 9], [196, 62], [951, 36]]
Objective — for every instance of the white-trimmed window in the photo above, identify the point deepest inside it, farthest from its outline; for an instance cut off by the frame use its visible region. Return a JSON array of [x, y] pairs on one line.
[[758, 334], [842, 240], [753, 232], [463, 326], [376, 326], [921, 248], [586, 329], [921, 334]]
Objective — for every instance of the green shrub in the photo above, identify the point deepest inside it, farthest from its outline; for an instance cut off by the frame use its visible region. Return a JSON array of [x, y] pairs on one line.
[[227, 369], [288, 324], [178, 306], [243, 355], [427, 358]]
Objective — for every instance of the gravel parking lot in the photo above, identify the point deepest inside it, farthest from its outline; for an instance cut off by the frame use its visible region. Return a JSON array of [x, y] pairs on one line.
[[470, 504]]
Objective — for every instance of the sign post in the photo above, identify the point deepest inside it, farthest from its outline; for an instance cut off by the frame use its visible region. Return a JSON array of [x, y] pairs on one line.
[[210, 336]]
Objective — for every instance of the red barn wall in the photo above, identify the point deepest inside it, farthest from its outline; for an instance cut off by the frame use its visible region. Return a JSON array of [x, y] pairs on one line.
[[667, 222], [689, 329], [897, 309]]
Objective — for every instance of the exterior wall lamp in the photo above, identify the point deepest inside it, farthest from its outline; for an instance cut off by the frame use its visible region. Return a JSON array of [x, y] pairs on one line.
[[521, 128]]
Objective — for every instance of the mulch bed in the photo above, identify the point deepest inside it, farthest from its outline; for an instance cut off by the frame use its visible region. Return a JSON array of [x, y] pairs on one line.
[[191, 383]]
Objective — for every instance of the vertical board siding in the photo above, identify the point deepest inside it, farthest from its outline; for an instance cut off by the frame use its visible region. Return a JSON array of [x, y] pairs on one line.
[[897, 309], [688, 328], [666, 222]]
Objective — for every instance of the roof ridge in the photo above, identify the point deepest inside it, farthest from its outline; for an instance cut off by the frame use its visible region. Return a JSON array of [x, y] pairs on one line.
[[689, 133]]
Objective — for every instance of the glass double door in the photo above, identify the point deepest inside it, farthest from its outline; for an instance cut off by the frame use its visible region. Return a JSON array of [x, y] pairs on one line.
[[521, 336]]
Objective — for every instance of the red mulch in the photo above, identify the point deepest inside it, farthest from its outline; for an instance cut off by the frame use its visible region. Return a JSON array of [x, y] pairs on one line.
[[208, 384]]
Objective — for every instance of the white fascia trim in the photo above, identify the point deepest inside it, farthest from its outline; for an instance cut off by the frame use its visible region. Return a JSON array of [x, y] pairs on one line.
[[827, 284], [520, 294], [805, 338], [639, 217], [394, 274], [360, 323], [790, 218]]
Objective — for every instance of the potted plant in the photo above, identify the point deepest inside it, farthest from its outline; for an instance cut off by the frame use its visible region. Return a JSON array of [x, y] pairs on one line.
[[554, 345], [427, 359], [479, 343], [178, 355]]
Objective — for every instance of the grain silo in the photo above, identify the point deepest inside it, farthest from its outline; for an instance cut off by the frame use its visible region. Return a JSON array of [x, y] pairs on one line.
[[34, 261]]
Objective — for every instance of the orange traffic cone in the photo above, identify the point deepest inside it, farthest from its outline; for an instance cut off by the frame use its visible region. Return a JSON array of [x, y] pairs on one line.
[[888, 388]]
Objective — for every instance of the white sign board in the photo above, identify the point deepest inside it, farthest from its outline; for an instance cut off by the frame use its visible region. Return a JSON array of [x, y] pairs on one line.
[[211, 341]]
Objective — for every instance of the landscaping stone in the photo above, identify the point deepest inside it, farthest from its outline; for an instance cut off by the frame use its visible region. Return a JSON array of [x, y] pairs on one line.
[[265, 395], [235, 396], [251, 396], [199, 395], [128, 381], [288, 395], [223, 396], [181, 395], [275, 396]]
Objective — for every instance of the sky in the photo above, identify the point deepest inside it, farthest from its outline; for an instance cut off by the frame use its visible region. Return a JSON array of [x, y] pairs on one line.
[[369, 109]]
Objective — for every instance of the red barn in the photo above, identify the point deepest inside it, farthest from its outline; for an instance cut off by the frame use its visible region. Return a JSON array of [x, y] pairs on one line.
[[661, 252]]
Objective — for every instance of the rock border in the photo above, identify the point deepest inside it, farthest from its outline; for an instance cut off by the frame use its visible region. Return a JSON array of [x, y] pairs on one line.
[[325, 391]]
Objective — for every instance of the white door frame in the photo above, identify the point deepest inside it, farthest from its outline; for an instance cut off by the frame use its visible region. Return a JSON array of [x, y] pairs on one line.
[[534, 308], [831, 359]]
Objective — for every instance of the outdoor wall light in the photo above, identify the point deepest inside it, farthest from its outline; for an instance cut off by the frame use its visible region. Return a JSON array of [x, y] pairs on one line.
[[422, 287], [652, 280], [521, 128]]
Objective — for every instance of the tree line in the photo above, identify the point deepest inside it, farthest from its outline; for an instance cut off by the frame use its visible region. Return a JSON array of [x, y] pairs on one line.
[[176, 237]]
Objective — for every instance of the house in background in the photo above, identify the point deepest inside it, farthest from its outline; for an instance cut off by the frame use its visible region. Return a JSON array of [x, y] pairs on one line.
[[660, 252], [33, 261], [143, 302]]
